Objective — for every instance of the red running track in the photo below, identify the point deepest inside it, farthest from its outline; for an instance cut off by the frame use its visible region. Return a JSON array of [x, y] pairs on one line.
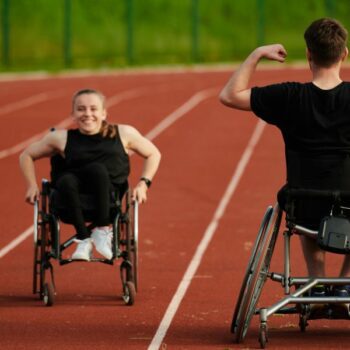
[[202, 146]]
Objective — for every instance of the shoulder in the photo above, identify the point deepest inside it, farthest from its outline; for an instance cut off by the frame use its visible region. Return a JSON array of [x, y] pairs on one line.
[[56, 138], [280, 87], [57, 134], [276, 93], [127, 131], [345, 85]]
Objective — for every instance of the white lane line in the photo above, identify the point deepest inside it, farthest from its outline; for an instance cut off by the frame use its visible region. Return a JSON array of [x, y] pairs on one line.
[[28, 232], [165, 123], [206, 239], [181, 111], [30, 101], [113, 100]]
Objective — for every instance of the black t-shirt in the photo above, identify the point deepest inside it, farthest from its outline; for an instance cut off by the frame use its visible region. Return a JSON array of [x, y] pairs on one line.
[[315, 125]]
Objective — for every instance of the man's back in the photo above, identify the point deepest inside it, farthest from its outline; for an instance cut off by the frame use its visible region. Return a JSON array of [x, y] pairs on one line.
[[315, 124]]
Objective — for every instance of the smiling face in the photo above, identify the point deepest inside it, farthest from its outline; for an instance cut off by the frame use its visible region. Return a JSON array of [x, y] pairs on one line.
[[89, 112]]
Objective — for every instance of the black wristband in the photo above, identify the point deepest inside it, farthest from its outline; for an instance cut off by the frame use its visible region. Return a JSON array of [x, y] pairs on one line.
[[148, 182]]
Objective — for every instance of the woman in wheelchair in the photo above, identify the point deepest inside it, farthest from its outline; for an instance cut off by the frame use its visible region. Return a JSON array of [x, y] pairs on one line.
[[94, 159]]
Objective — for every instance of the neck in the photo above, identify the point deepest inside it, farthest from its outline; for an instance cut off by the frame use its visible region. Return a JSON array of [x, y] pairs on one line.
[[326, 78]]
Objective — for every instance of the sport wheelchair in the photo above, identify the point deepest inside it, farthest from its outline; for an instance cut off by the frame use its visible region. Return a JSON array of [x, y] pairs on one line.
[[48, 245], [333, 235]]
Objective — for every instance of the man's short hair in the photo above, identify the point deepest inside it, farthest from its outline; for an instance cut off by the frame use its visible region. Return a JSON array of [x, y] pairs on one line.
[[326, 40]]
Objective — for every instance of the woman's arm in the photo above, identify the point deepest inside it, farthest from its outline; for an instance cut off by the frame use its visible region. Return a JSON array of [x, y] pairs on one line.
[[49, 145], [134, 141]]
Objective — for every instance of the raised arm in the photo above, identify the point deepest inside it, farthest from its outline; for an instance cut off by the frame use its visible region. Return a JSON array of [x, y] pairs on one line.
[[46, 147], [236, 93], [134, 141]]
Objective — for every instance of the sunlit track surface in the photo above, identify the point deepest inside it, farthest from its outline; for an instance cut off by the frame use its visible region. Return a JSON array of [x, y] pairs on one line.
[[202, 144]]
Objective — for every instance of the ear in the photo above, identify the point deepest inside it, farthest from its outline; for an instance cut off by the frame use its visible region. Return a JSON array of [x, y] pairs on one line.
[[104, 114], [308, 55], [345, 54]]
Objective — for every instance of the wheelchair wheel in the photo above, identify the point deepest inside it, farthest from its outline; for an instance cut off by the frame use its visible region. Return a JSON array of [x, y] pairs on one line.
[[248, 272], [133, 244], [129, 244], [41, 229], [257, 273], [263, 339], [129, 293], [36, 265], [48, 294], [42, 247]]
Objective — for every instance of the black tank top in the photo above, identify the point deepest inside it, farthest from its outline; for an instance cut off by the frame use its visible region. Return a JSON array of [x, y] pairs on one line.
[[84, 149]]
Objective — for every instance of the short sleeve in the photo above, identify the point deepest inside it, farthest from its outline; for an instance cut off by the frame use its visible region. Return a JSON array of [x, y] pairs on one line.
[[270, 102]]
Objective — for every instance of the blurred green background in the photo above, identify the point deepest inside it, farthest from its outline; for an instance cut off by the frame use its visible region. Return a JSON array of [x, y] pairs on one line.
[[79, 34]]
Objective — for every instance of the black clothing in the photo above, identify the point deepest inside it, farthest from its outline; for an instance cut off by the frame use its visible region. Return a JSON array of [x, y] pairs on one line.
[[315, 125], [92, 178], [93, 165], [84, 149]]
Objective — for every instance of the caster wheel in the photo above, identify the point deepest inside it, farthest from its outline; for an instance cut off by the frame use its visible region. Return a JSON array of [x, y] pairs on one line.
[[303, 317], [263, 335], [303, 323], [48, 294], [129, 293]]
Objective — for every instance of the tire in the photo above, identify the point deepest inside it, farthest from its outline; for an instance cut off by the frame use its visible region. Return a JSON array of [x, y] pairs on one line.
[[256, 275], [48, 294], [132, 245], [129, 293], [36, 238], [263, 335], [248, 272], [44, 250]]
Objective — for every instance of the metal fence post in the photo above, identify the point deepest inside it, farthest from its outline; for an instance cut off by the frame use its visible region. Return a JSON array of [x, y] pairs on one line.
[[129, 32], [67, 33], [5, 32], [261, 22], [330, 8], [195, 24]]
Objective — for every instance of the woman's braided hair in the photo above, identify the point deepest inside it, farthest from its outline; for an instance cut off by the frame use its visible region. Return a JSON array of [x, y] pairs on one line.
[[107, 130]]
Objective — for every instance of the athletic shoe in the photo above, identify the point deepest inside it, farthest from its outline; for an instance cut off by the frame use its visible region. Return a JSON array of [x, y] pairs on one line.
[[83, 250], [318, 291], [102, 239], [318, 310], [341, 291]]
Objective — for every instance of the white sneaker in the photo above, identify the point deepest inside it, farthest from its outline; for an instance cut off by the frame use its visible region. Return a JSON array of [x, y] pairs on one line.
[[102, 238], [83, 250]]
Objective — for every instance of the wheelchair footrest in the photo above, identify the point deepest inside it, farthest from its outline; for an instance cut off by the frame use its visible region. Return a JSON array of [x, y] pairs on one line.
[[68, 261]]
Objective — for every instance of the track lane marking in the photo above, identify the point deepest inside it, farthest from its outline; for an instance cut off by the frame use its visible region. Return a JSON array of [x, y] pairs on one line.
[[30, 101], [28, 232], [206, 239], [170, 119]]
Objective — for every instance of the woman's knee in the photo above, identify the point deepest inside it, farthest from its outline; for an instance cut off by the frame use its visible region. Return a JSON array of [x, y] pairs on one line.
[[67, 182]]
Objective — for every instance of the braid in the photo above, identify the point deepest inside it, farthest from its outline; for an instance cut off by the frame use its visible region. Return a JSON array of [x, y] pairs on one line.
[[108, 130]]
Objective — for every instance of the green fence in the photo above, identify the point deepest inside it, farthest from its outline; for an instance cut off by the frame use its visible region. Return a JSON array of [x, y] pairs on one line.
[[56, 34]]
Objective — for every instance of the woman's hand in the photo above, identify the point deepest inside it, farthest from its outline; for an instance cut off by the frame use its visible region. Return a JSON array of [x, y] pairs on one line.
[[32, 194], [140, 192]]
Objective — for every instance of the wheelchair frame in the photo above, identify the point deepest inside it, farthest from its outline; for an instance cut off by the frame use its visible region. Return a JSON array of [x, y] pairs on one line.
[[258, 272], [47, 246]]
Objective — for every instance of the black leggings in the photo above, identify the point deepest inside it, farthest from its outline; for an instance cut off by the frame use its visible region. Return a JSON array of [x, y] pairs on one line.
[[91, 179]]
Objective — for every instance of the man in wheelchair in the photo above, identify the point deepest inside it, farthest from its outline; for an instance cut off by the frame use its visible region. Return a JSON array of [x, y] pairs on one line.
[[314, 119], [91, 159]]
